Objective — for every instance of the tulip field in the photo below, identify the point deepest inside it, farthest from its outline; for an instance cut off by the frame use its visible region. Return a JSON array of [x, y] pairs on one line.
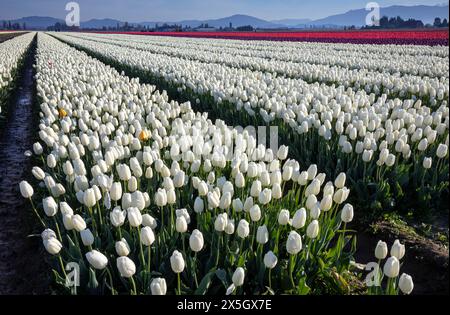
[[148, 180]]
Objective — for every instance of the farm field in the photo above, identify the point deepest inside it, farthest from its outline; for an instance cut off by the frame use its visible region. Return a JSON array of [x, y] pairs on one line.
[[141, 161]]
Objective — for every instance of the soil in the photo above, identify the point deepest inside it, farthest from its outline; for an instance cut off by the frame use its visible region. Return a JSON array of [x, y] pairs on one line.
[[22, 267], [6, 36], [425, 260]]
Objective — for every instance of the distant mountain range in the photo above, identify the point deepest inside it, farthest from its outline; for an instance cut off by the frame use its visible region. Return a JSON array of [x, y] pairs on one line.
[[426, 13]]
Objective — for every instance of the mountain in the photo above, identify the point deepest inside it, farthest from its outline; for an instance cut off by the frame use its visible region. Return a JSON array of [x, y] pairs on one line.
[[292, 22], [424, 13], [99, 23], [242, 20], [36, 22]]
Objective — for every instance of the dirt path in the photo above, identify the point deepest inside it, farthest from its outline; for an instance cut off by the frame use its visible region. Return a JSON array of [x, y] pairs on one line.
[[21, 262], [425, 260]]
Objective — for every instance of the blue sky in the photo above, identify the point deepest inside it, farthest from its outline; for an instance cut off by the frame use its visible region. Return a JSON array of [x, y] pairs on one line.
[[175, 10]]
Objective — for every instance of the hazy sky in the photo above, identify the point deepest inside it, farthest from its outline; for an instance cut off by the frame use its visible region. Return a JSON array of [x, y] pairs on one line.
[[175, 10]]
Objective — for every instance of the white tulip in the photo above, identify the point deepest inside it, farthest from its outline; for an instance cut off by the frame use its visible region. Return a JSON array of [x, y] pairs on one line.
[[270, 260], [97, 259], [126, 267], [158, 286], [294, 243], [177, 262]]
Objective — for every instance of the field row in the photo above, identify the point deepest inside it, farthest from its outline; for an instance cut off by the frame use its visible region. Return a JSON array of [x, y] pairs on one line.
[[11, 53]]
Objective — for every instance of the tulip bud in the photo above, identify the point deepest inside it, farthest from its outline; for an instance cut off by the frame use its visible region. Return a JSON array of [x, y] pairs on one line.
[[282, 152], [161, 197], [177, 262], [427, 161], [270, 260], [243, 229], [38, 173], [89, 198], [116, 191], [381, 250], [238, 277], [97, 259], [134, 217], [283, 217], [237, 205], [196, 241], [181, 224], [294, 243], [255, 213], [347, 213], [148, 220], [312, 171], [52, 245], [202, 188], [262, 235], [50, 206], [255, 189], [225, 201], [117, 217], [239, 180], [147, 236], [48, 234], [299, 219], [229, 229], [198, 205], [265, 196], [312, 231], [26, 190], [441, 151], [37, 148], [158, 286], [87, 237], [311, 202], [406, 284], [398, 250], [339, 182], [78, 223], [391, 267], [341, 195], [126, 267], [221, 222], [248, 204], [122, 248]]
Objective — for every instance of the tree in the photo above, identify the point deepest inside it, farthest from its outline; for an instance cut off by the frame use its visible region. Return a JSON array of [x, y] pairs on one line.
[[444, 23], [437, 22]]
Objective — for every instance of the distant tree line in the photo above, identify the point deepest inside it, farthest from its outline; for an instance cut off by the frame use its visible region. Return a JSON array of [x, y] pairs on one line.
[[8, 25], [398, 22]]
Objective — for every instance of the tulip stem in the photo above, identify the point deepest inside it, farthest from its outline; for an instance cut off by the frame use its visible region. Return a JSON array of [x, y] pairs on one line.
[[149, 258], [62, 267], [37, 214], [218, 248], [291, 269], [179, 283], [140, 246], [113, 292], [134, 291], [194, 269], [270, 278], [57, 228]]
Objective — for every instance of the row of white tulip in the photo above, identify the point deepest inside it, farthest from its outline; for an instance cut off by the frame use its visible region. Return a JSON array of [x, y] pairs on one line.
[[358, 122], [369, 80], [11, 51], [131, 174], [414, 60]]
